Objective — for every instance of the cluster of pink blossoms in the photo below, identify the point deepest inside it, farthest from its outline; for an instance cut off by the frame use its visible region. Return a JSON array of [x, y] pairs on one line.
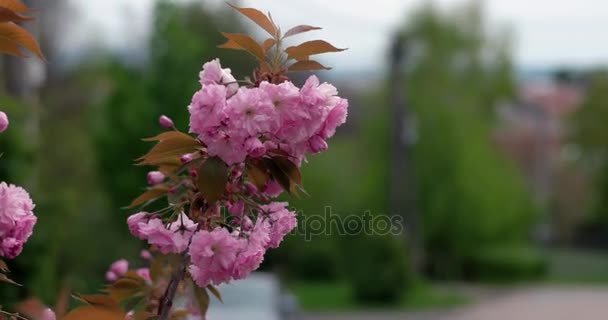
[[227, 239], [16, 219], [235, 122]]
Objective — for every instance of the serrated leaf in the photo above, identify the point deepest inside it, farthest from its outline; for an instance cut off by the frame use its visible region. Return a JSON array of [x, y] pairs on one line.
[[7, 15], [215, 292], [307, 65], [168, 150], [299, 29], [12, 33], [5, 278], [14, 5], [310, 48], [202, 298], [95, 313], [257, 173], [247, 44], [258, 17], [230, 45], [168, 135], [98, 300], [212, 178], [150, 195]]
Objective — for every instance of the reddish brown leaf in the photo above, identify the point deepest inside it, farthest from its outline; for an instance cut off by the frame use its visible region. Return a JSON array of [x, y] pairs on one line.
[[285, 172], [151, 194], [258, 17], [215, 292], [10, 32], [299, 29], [7, 15], [202, 297], [94, 313], [170, 147], [5, 278], [3, 266], [310, 48], [31, 308], [267, 44], [212, 178], [11, 48], [125, 288], [247, 44], [230, 45], [98, 300], [307, 65], [257, 173], [14, 5]]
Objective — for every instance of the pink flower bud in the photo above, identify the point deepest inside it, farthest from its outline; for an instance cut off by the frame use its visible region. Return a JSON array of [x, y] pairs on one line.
[[166, 122], [255, 147], [155, 177], [3, 121], [186, 158], [316, 144], [111, 276], [120, 267], [145, 254], [250, 188], [48, 314], [144, 273]]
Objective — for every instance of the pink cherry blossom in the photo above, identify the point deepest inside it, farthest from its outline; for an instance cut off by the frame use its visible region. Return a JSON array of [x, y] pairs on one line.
[[120, 267], [17, 219], [168, 239], [135, 222], [252, 111], [214, 74], [213, 254], [254, 147], [282, 220]]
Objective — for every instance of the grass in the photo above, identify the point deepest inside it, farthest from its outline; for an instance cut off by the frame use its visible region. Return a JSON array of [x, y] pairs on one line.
[[337, 296]]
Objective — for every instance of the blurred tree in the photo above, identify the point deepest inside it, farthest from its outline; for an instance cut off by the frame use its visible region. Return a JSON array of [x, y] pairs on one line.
[[468, 194]]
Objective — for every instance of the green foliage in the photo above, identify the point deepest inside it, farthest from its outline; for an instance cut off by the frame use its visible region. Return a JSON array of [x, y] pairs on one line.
[[468, 192], [377, 269], [506, 263]]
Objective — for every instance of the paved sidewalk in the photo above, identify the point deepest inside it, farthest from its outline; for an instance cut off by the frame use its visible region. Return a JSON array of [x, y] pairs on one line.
[[535, 303]]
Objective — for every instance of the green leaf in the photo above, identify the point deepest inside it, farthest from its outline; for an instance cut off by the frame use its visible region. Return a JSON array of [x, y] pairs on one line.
[[202, 298], [212, 178], [310, 48], [299, 29], [307, 65], [258, 17]]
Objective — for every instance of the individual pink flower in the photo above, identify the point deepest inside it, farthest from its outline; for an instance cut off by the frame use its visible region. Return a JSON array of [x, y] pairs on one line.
[[207, 108], [282, 222], [335, 118], [155, 177], [314, 94], [213, 254], [171, 239], [17, 219], [135, 222], [285, 98], [166, 122], [3, 121], [213, 73], [252, 111], [236, 208], [228, 145]]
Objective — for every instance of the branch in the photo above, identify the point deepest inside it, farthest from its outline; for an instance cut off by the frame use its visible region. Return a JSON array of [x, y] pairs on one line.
[[166, 302]]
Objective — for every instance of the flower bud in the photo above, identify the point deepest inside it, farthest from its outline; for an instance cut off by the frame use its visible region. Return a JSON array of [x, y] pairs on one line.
[[145, 254], [250, 188], [48, 314], [155, 177], [111, 276], [236, 208], [3, 121], [166, 122], [186, 158], [317, 144], [120, 267], [144, 273]]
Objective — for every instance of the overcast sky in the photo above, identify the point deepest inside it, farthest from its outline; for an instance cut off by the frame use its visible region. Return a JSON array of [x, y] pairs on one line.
[[547, 32]]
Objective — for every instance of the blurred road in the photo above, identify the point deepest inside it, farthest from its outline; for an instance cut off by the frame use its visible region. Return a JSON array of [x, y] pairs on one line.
[[537, 303]]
